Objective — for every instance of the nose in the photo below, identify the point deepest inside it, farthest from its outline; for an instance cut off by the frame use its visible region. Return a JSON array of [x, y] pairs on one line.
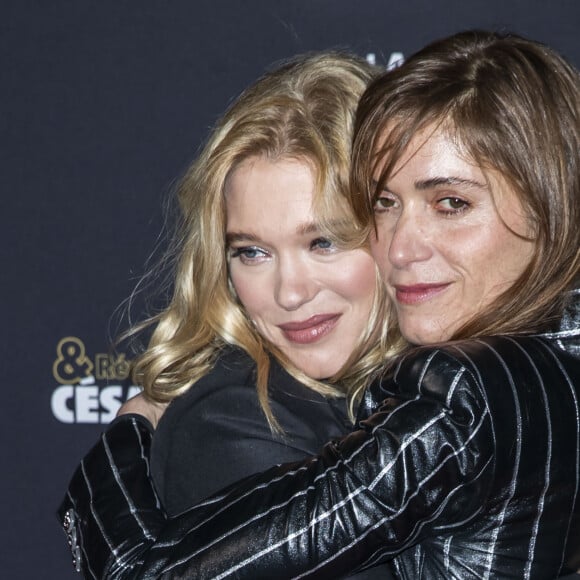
[[408, 241], [295, 283]]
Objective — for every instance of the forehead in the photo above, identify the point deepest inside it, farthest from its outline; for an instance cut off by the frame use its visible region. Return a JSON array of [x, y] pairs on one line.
[[260, 171], [261, 193], [433, 151], [261, 161]]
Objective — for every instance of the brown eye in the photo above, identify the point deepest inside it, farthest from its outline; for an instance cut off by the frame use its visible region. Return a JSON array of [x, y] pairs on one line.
[[452, 205], [456, 203], [384, 203]]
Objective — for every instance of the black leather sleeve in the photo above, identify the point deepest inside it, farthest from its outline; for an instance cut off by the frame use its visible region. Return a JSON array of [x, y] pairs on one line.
[[422, 462], [111, 514]]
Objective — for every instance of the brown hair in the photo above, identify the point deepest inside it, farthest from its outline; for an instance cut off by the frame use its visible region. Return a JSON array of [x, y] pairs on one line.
[[514, 106]]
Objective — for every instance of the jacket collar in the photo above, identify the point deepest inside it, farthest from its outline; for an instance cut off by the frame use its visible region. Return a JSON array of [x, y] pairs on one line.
[[568, 335]]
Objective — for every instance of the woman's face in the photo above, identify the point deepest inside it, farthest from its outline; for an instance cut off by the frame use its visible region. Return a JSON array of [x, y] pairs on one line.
[[446, 245], [305, 295]]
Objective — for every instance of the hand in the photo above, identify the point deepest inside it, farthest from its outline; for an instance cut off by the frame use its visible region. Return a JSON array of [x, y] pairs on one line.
[[142, 406]]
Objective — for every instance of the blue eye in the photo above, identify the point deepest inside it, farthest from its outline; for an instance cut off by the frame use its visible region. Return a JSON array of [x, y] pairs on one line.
[[248, 254], [321, 244]]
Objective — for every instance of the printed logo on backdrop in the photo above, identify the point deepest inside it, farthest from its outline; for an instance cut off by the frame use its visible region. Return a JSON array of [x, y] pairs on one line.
[[395, 59], [90, 389]]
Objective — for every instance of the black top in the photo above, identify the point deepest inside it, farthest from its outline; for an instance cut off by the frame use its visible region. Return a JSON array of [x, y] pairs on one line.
[[217, 433]]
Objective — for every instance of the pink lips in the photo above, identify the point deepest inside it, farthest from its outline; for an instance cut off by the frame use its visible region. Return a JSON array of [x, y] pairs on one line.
[[311, 330], [418, 293]]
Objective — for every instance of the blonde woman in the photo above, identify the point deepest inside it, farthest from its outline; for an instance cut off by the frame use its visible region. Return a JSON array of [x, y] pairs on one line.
[[265, 297], [272, 321]]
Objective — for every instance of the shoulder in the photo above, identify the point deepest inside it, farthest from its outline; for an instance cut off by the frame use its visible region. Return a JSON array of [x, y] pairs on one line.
[[231, 377], [227, 397], [514, 358], [473, 362], [474, 355], [232, 382], [490, 366]]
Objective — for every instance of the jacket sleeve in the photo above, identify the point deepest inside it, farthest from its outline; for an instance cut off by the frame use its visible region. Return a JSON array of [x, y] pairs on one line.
[[423, 460], [111, 514]]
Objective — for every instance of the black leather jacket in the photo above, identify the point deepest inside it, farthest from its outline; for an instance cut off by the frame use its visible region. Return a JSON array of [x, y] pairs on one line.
[[466, 464]]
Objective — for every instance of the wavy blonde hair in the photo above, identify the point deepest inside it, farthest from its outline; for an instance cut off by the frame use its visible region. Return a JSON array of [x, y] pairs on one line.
[[303, 110], [514, 106]]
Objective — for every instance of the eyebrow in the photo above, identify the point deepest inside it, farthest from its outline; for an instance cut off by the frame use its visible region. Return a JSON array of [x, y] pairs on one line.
[[232, 237], [308, 228], [433, 182], [303, 229], [437, 181]]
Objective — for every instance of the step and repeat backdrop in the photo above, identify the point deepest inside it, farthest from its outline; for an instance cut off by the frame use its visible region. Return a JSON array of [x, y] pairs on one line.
[[104, 105]]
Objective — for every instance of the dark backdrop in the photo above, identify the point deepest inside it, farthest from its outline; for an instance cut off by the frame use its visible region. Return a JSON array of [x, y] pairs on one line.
[[104, 104]]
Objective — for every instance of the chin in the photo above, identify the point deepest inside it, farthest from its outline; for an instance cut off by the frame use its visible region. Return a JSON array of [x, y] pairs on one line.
[[424, 336], [318, 372]]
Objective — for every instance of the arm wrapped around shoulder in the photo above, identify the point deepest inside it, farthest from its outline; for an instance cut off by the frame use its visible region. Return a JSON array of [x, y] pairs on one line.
[[111, 514], [434, 438], [422, 463]]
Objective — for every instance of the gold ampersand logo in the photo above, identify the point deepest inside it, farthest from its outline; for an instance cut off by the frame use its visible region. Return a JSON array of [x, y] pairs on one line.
[[72, 363]]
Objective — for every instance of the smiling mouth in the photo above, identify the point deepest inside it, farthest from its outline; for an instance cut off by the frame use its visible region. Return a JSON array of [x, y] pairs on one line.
[[418, 293], [311, 330]]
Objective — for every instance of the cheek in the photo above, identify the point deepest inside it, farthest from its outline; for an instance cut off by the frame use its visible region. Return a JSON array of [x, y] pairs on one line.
[[358, 278], [510, 260], [499, 255], [253, 296], [379, 247], [377, 250]]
